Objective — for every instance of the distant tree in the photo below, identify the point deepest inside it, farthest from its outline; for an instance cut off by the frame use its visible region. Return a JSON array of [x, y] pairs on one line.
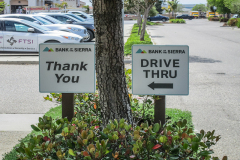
[[222, 8], [201, 7], [167, 9], [235, 7], [153, 12], [173, 4], [180, 8], [158, 6], [3, 6], [87, 9], [61, 5]]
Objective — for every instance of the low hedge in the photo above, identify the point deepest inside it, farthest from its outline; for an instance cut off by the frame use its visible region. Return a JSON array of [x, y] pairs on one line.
[[177, 21], [212, 18], [222, 19], [234, 22], [238, 23]]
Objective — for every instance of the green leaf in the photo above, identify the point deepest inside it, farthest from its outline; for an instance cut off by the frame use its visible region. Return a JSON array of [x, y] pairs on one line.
[[35, 128], [205, 153], [184, 123], [195, 146], [185, 145], [70, 151], [156, 127], [20, 150]]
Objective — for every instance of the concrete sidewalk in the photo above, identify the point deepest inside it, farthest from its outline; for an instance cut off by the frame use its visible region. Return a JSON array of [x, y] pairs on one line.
[[14, 127]]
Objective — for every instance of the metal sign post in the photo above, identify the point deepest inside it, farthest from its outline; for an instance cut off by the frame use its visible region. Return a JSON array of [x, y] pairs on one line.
[[160, 109], [68, 105], [67, 69], [160, 70]]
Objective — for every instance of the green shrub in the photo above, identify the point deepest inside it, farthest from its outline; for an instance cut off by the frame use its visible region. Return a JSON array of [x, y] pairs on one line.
[[238, 23], [85, 138], [177, 21], [232, 22], [210, 17], [222, 19]]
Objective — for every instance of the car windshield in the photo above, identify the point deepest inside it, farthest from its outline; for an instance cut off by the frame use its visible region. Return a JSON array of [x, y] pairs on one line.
[[73, 18], [45, 22], [37, 26], [53, 20], [77, 17]]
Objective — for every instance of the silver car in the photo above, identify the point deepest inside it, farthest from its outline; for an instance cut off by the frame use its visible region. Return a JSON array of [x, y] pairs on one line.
[[79, 30]]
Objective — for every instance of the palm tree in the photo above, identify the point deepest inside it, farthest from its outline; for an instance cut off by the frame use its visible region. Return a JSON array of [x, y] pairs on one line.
[[173, 4]]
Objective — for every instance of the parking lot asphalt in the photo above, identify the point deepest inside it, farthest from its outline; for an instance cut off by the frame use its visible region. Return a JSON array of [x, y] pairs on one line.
[[214, 72], [21, 103]]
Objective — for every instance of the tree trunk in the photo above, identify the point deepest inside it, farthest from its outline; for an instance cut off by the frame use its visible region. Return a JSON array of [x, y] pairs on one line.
[[144, 23], [139, 22], [113, 93]]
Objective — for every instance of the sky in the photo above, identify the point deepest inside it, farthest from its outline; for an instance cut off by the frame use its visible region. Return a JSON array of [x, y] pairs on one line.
[[180, 1]]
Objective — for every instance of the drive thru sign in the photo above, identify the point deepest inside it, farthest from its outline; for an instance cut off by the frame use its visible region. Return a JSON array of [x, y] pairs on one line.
[[67, 68], [160, 70]]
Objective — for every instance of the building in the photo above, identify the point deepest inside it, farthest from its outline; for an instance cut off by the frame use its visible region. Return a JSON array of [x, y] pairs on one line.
[[16, 6]]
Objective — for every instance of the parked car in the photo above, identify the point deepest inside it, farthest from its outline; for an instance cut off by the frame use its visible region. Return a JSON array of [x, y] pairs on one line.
[[18, 35], [158, 18], [82, 14], [185, 16], [79, 30], [235, 16], [71, 20]]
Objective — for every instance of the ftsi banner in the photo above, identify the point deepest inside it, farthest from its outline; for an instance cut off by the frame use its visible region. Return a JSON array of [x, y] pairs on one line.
[[160, 70], [67, 68]]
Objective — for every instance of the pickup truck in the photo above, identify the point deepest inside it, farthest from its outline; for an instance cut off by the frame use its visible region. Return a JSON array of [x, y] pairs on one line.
[[185, 16]]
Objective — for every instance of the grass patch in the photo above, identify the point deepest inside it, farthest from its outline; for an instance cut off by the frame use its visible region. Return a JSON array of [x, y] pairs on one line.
[[53, 112], [135, 39], [174, 114], [153, 23]]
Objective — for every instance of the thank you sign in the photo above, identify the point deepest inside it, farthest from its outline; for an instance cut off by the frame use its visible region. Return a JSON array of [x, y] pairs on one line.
[[160, 70], [67, 68]]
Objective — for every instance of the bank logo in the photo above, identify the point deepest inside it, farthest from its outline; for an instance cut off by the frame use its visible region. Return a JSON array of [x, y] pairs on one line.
[[11, 41], [48, 50], [141, 51]]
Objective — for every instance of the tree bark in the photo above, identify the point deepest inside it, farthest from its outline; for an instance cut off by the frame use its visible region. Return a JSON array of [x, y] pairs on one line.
[[139, 22], [144, 22], [111, 79]]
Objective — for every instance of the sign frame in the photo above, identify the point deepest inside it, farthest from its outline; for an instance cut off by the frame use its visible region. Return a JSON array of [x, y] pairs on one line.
[[63, 44], [139, 45]]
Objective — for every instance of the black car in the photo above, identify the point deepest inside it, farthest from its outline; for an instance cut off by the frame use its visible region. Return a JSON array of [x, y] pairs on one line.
[[64, 18], [158, 18], [185, 16]]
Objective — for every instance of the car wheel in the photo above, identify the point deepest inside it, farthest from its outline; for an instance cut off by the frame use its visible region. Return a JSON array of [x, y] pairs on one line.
[[52, 41], [164, 20], [90, 36], [149, 20]]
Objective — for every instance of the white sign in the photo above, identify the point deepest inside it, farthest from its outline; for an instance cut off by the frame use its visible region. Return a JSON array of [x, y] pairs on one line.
[[160, 70], [67, 68]]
